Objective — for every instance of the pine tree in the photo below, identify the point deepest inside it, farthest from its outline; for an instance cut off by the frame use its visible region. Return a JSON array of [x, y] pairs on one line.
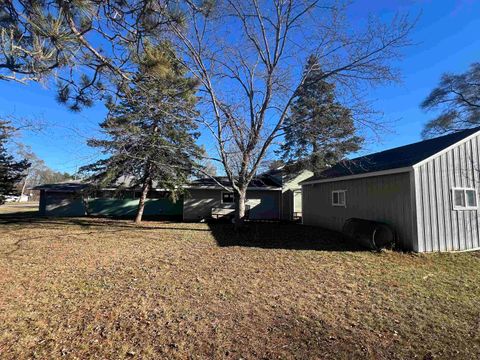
[[151, 131], [11, 171], [319, 131]]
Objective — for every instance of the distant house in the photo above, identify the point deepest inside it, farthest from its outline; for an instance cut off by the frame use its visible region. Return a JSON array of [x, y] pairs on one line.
[[427, 191], [271, 196]]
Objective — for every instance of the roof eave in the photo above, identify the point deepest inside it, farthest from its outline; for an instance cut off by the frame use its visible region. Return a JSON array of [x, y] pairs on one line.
[[359, 176]]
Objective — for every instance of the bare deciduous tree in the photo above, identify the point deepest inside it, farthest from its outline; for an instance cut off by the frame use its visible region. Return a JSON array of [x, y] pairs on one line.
[[38, 173], [249, 54], [457, 97]]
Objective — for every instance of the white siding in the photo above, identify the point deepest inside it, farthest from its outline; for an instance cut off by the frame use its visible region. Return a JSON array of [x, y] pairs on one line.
[[381, 198], [440, 228], [291, 195]]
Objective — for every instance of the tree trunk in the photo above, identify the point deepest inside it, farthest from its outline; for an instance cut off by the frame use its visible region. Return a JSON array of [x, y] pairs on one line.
[[314, 163], [141, 203], [240, 208], [24, 186], [86, 204]]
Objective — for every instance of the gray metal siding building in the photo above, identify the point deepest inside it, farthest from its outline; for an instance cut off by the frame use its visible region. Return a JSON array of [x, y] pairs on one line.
[[427, 191], [381, 198], [439, 226]]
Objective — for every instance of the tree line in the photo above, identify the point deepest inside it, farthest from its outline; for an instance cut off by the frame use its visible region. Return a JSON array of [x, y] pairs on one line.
[[21, 169], [291, 77]]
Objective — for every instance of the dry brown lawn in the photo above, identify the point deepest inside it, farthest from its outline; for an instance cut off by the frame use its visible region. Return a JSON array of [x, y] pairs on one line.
[[105, 289]]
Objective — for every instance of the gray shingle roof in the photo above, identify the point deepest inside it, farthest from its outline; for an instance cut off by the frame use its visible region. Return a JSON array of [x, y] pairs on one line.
[[257, 182], [63, 187], [400, 157]]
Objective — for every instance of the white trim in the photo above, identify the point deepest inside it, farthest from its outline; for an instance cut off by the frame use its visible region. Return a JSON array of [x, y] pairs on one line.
[[414, 211], [300, 174], [359, 176], [344, 192], [459, 251], [466, 207], [447, 149]]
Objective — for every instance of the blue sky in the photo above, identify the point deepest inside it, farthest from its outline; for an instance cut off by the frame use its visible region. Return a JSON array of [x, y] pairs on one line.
[[446, 38]]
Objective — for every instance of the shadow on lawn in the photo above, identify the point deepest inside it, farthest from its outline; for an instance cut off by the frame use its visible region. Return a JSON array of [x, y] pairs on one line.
[[19, 214], [23, 218], [267, 235], [90, 226], [277, 235]]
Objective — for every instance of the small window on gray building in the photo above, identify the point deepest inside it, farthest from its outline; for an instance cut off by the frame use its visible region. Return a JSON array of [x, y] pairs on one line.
[[227, 198], [339, 198], [464, 199]]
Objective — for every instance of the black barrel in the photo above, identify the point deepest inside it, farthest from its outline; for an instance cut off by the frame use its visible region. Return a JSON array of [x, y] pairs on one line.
[[371, 234]]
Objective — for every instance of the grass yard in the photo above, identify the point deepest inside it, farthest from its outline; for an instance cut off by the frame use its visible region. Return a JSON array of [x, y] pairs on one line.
[[95, 288]]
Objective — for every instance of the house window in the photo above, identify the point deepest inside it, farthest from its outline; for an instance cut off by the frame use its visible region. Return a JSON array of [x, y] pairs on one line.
[[339, 198], [464, 199], [227, 198]]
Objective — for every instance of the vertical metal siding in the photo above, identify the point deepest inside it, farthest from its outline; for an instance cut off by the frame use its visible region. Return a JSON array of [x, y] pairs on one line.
[[426, 210], [438, 192], [432, 207], [413, 212], [440, 228], [445, 201], [475, 180], [419, 244], [382, 198]]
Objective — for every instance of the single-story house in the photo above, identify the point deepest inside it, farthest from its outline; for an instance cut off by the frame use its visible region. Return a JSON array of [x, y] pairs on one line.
[[271, 196], [426, 191], [291, 198], [208, 198], [80, 199]]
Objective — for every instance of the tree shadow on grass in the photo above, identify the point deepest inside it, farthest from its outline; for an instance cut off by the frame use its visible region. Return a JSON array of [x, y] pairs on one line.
[[167, 223], [21, 215], [279, 235], [267, 235], [89, 226]]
